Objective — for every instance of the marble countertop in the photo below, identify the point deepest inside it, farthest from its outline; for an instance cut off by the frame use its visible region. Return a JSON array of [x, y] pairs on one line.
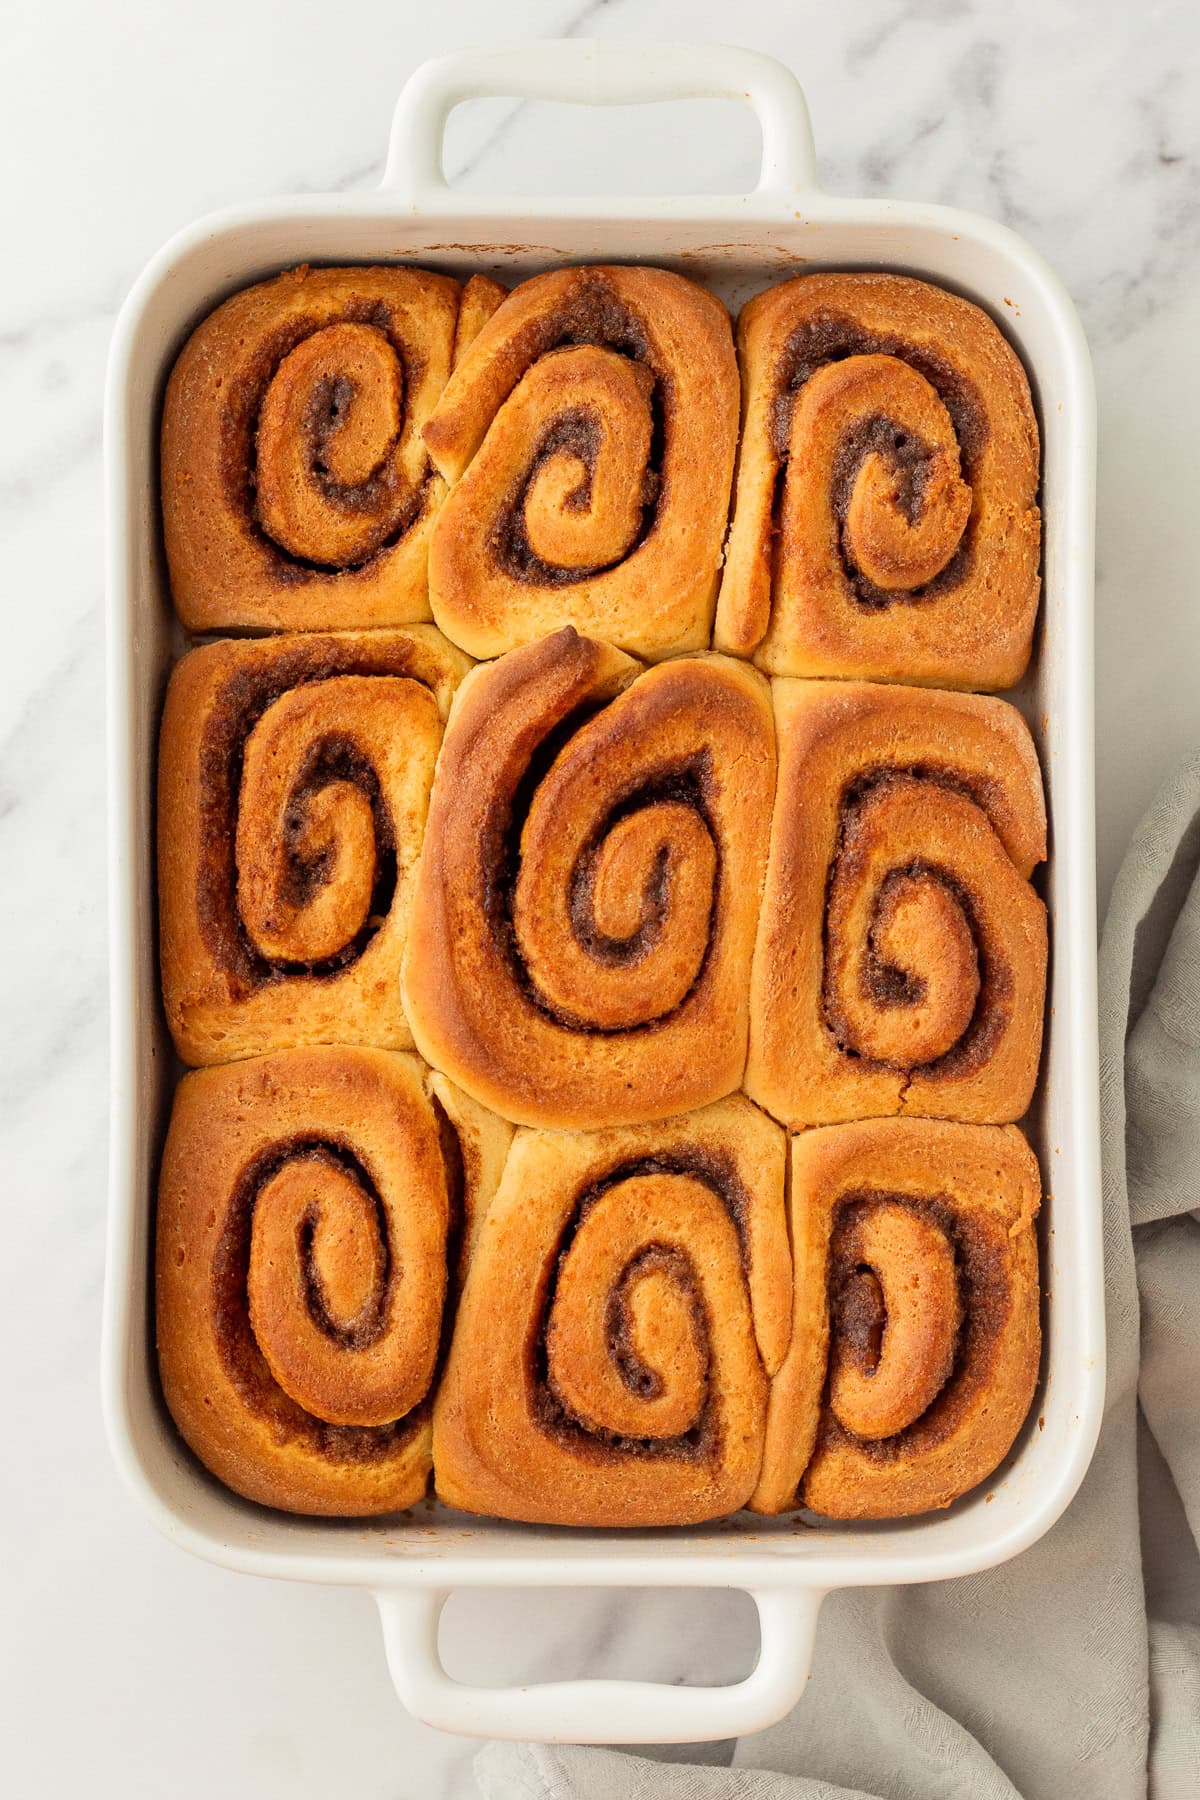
[[133, 1669]]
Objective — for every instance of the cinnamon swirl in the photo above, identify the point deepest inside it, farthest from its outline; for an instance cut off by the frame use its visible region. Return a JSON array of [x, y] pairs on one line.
[[900, 963], [309, 1206], [915, 1333], [626, 1303], [294, 777], [296, 488], [589, 434], [885, 521], [584, 913]]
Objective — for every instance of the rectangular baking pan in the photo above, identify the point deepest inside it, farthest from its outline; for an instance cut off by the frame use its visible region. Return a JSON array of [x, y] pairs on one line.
[[737, 244]]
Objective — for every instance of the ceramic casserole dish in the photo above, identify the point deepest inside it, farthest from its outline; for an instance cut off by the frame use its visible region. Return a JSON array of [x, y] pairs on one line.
[[737, 244]]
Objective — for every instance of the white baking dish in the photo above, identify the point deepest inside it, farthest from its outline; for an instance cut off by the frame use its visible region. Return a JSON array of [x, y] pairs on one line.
[[737, 244]]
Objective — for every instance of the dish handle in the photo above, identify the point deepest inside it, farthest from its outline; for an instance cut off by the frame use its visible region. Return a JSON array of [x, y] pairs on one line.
[[600, 72], [600, 1711]]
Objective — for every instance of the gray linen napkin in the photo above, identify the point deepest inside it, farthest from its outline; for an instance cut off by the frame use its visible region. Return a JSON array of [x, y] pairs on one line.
[[1074, 1671]]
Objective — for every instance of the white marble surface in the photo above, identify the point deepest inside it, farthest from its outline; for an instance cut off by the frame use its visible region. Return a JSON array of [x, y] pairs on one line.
[[129, 1669]]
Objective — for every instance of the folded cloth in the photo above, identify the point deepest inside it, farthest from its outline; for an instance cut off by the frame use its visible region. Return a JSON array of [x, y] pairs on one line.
[[1073, 1671]]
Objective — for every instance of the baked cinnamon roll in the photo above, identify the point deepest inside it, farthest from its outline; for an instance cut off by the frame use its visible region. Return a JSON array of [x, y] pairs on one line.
[[626, 1303], [885, 521], [296, 488], [915, 1332], [311, 1207], [585, 908], [900, 963], [294, 778], [589, 437]]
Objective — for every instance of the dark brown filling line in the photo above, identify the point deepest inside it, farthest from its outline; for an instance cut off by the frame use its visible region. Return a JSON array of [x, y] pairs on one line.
[[687, 783], [243, 700], [371, 1322], [886, 986], [594, 315], [702, 1442], [981, 1266], [665, 1259], [331, 398], [831, 337], [336, 758], [239, 441], [245, 1363], [910, 459], [880, 982], [883, 983], [684, 785], [859, 1316]]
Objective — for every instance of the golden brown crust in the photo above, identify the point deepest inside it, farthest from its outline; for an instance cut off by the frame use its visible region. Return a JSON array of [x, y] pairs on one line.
[[900, 961], [294, 777], [576, 884], [915, 1336], [589, 433], [304, 1225], [297, 491], [885, 521], [626, 1302], [481, 297], [585, 908]]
